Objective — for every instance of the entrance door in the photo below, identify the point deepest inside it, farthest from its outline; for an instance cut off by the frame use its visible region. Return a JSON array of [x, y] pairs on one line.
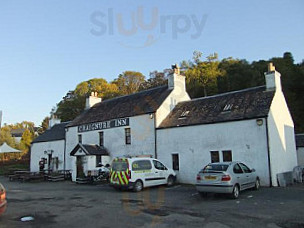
[[50, 162], [79, 163]]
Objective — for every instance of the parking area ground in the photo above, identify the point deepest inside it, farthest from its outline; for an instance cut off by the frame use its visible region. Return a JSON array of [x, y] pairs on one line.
[[66, 204]]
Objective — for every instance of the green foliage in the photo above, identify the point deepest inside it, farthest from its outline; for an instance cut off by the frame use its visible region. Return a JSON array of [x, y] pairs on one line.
[[203, 74], [156, 79], [129, 82], [44, 125]]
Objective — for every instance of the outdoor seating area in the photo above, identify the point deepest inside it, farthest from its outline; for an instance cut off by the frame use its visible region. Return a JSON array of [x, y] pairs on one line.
[[27, 176]]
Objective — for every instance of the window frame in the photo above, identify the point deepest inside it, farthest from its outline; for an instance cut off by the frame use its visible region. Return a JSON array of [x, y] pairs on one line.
[[218, 155], [127, 136], [223, 154], [101, 138], [175, 162], [80, 138]]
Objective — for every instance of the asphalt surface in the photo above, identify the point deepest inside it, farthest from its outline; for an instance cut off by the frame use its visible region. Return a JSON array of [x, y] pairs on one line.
[[66, 204]]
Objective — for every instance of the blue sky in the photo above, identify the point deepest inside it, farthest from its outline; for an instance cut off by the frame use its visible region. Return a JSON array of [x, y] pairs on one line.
[[48, 47]]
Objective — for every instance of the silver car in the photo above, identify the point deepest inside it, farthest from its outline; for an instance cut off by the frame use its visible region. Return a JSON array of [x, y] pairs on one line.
[[226, 177]]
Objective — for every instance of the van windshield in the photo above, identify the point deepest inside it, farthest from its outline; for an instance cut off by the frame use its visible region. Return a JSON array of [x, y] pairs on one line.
[[119, 166]]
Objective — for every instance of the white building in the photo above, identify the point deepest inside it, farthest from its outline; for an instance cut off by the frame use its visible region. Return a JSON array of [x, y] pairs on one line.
[[49, 149], [252, 125], [122, 126], [300, 148]]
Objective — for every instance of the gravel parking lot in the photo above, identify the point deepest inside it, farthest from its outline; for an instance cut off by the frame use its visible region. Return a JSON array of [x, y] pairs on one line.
[[66, 204]]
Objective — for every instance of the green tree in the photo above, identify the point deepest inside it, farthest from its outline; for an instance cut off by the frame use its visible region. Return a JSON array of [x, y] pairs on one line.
[[44, 125], [129, 82], [203, 74], [156, 79]]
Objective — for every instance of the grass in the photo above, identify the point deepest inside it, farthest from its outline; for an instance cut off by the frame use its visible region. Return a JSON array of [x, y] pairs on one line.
[[5, 167]]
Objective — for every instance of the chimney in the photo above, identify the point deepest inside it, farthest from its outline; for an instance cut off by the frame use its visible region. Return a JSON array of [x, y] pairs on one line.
[[176, 80], [273, 78], [53, 121], [92, 100]]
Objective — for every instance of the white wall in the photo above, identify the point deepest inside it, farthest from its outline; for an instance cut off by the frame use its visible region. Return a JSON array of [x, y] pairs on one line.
[[177, 95], [245, 139], [300, 155], [37, 152], [282, 145], [142, 139]]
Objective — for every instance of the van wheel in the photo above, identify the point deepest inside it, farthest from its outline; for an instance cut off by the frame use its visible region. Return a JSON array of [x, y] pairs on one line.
[[138, 186], [170, 181], [235, 192]]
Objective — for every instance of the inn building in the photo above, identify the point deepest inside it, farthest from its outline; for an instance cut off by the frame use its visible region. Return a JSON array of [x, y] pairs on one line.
[[252, 125]]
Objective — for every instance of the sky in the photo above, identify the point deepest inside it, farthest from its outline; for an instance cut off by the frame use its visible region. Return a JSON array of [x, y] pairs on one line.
[[48, 47]]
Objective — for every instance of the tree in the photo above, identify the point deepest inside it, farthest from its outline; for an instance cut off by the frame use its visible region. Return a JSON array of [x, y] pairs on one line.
[[156, 79], [129, 82], [203, 73], [44, 125]]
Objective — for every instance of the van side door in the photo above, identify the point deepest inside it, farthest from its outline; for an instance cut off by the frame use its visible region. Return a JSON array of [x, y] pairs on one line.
[[160, 172]]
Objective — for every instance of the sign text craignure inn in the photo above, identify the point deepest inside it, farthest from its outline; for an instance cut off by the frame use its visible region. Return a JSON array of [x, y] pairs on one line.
[[104, 125]]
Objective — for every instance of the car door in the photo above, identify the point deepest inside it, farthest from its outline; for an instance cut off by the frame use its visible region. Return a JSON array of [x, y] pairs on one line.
[[250, 181], [160, 172], [239, 175]]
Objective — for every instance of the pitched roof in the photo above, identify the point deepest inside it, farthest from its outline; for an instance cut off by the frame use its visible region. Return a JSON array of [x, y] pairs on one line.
[[300, 140], [147, 101], [17, 132], [239, 105], [57, 132], [90, 149]]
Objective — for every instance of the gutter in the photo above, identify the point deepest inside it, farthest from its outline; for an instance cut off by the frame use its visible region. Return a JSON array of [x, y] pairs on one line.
[[268, 152]]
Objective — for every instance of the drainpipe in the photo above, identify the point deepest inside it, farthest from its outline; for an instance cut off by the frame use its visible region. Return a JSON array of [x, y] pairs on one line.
[[268, 151], [155, 135]]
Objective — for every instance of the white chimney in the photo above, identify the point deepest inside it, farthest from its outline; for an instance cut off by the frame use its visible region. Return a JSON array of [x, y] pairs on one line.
[[273, 78], [176, 80], [53, 121], [92, 100]]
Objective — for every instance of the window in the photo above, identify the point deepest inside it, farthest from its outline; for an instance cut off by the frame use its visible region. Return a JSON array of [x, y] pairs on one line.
[[227, 108], [128, 135], [98, 160], [184, 114], [237, 169], [141, 165], [245, 168], [80, 138], [215, 157], [227, 155], [215, 168], [101, 142], [175, 162], [159, 165]]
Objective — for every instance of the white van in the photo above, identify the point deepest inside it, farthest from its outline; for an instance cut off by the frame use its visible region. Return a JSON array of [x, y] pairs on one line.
[[139, 172]]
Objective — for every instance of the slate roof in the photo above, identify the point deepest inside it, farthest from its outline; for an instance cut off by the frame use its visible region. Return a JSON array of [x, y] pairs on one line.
[[300, 140], [57, 132], [239, 105], [144, 102], [90, 149], [17, 132]]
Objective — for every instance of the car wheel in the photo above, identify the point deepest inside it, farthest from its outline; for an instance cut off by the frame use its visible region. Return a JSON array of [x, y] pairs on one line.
[[235, 192], [257, 184], [203, 194], [138, 186], [170, 181]]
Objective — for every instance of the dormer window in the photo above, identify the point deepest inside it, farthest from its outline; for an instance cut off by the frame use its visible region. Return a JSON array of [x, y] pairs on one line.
[[227, 107], [184, 114]]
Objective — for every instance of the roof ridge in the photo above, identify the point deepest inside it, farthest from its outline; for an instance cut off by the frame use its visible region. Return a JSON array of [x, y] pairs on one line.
[[224, 94], [133, 94]]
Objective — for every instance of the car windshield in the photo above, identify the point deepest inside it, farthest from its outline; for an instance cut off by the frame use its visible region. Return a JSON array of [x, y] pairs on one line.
[[214, 168], [119, 166]]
